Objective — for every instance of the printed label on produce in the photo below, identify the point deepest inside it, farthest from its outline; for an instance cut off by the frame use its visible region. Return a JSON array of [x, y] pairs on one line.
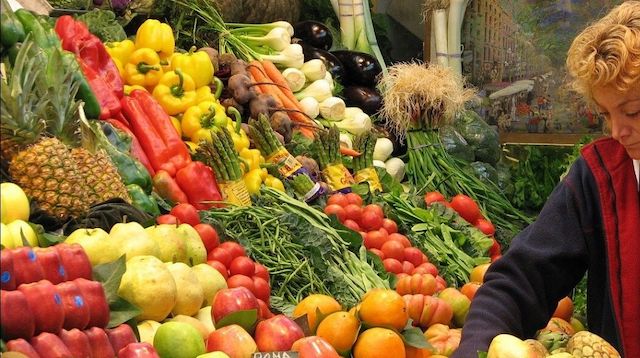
[[236, 193], [338, 177], [369, 175], [287, 164], [288, 354]]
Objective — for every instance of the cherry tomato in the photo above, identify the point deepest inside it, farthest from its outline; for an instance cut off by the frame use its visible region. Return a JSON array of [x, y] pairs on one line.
[[337, 210], [354, 198], [242, 265], [371, 220], [241, 281], [374, 239], [375, 208], [261, 271], [353, 212], [234, 249], [392, 265], [377, 252], [208, 235], [221, 255], [393, 249], [485, 226], [351, 225], [433, 197], [390, 226], [261, 290], [186, 213], [220, 267], [167, 219], [413, 255], [466, 207], [338, 199]]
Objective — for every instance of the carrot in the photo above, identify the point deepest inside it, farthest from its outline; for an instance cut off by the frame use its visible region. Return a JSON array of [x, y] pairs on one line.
[[349, 152], [266, 89], [272, 71], [306, 132], [256, 88]]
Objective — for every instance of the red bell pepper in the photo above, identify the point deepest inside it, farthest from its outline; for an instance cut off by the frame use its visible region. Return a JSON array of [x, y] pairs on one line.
[[121, 337], [49, 260], [76, 310], [109, 101], [100, 344], [46, 305], [7, 276], [30, 270], [179, 154], [199, 183], [51, 346], [136, 149], [22, 346], [77, 342], [74, 260], [95, 298], [168, 188], [16, 318], [138, 350]]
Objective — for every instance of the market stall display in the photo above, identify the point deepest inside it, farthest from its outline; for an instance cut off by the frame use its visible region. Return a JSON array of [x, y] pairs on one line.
[[216, 202]]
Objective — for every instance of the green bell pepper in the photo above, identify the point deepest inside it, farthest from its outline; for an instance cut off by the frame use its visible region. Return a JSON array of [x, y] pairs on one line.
[[11, 29], [142, 201]]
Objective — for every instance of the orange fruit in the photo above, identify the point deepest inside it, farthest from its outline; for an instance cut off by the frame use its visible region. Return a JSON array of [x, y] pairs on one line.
[[379, 343], [564, 309], [384, 308], [477, 273], [413, 352], [340, 329], [311, 304]]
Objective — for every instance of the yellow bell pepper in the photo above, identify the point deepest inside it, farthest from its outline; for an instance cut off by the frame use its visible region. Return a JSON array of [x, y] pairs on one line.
[[120, 50], [253, 181], [252, 159], [157, 36], [166, 63], [143, 68], [128, 89], [119, 65], [238, 135], [274, 182], [195, 63], [204, 94], [199, 119], [175, 92], [191, 146], [176, 124]]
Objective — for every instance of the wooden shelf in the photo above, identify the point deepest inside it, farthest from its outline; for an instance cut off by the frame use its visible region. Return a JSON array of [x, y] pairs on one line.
[[559, 139]]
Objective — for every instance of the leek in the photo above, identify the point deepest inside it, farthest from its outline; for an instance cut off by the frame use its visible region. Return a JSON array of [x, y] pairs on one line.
[[291, 56], [440, 21], [456, 15], [277, 39]]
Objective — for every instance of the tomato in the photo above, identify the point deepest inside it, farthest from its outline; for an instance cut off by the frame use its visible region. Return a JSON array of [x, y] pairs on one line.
[[354, 198], [220, 267], [434, 197], [401, 239], [221, 255], [351, 225], [379, 253], [371, 220], [485, 226], [383, 230], [424, 258], [374, 239], [392, 265], [441, 284], [167, 219], [353, 212], [429, 268], [407, 267], [262, 290], [338, 199], [393, 249], [261, 271], [390, 226], [466, 207], [186, 213], [495, 249], [375, 208], [337, 210], [242, 265], [208, 235], [241, 281], [413, 255], [234, 249]]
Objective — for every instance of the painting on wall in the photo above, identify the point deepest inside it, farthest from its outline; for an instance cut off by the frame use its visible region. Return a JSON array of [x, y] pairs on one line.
[[514, 52]]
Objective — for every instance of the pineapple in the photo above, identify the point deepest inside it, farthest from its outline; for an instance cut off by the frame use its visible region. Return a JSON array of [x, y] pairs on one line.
[[585, 344], [103, 180]]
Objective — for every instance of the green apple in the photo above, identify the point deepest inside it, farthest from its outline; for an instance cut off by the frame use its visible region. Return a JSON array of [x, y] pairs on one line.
[[171, 244], [204, 316], [214, 355], [148, 284], [96, 244], [196, 252], [147, 330], [134, 240], [204, 331], [189, 291], [6, 239], [178, 340], [19, 228], [14, 202], [211, 281]]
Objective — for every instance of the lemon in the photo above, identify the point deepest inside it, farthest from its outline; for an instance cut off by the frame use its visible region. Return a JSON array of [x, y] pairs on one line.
[[178, 340], [6, 239], [148, 284], [190, 294], [20, 229], [15, 204]]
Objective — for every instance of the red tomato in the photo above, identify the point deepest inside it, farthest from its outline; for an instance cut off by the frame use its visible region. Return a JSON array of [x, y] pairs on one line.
[[379, 253], [351, 225], [371, 220], [220, 267], [234, 249], [375, 208], [401, 239], [466, 207], [186, 213], [384, 231], [413, 255], [261, 271], [393, 249], [495, 248], [242, 265], [167, 219], [241, 281], [374, 240], [338, 199], [392, 265], [354, 198], [407, 267], [485, 226], [390, 226], [353, 212], [337, 210], [208, 235], [221, 255], [263, 310], [433, 197], [441, 284], [429, 268], [262, 290], [424, 258]]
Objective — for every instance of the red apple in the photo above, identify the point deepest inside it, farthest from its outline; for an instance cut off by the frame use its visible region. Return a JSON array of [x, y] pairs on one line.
[[16, 318], [229, 300], [277, 334], [99, 341], [45, 303], [121, 337], [138, 350], [22, 346], [77, 342], [264, 312], [76, 310], [314, 346], [232, 340], [49, 345]]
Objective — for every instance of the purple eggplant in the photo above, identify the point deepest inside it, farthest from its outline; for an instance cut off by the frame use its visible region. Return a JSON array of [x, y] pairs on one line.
[[334, 66], [367, 98], [314, 33], [361, 68]]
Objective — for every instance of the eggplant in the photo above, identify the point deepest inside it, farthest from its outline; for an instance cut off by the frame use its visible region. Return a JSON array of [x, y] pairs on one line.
[[366, 98], [314, 33], [334, 66], [361, 68]]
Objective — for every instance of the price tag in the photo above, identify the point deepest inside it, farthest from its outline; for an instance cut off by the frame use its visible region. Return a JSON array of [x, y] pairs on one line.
[[236, 193], [287, 164], [338, 177], [369, 175], [287, 354]]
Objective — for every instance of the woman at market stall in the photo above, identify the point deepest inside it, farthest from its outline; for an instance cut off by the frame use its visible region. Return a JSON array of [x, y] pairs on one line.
[[592, 219]]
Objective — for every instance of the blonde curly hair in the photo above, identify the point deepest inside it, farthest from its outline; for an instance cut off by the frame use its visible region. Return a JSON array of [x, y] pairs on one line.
[[607, 52]]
